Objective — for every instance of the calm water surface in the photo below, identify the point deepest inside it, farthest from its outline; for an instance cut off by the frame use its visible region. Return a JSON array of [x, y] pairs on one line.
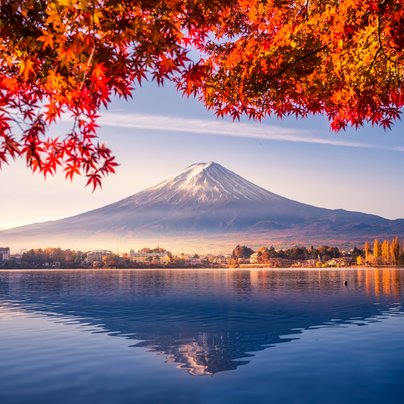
[[202, 336]]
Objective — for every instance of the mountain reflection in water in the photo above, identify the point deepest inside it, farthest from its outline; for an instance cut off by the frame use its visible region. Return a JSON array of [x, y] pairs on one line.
[[207, 321]]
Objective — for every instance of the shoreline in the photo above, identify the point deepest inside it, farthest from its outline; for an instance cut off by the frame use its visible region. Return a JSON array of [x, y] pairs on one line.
[[203, 269]]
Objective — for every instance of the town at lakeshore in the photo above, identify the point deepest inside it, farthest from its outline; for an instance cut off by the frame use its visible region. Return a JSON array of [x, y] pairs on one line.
[[377, 253]]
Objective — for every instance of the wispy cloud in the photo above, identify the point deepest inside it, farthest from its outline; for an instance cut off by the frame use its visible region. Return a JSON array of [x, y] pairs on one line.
[[225, 128]]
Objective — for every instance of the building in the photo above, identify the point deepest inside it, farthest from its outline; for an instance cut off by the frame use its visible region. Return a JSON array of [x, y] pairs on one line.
[[4, 253], [254, 258], [97, 255], [340, 262], [149, 257]]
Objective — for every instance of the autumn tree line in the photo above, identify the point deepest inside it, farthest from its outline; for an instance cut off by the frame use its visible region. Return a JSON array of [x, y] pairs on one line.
[[70, 259], [59, 258], [386, 252], [265, 255], [52, 257]]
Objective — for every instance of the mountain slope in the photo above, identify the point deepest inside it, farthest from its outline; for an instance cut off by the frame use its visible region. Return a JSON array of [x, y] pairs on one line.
[[205, 200]]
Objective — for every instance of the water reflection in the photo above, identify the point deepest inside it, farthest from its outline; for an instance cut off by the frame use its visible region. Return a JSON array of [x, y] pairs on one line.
[[206, 321]]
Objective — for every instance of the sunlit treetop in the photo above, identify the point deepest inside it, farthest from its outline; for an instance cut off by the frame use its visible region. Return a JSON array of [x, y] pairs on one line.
[[343, 59]]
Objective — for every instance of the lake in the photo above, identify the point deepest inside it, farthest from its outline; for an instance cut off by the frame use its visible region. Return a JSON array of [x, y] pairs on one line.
[[202, 336]]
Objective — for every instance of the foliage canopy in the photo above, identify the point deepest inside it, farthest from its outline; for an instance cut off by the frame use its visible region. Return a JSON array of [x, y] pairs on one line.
[[340, 58]]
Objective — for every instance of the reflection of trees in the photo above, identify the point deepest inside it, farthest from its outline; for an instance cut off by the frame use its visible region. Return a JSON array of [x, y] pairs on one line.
[[381, 282], [206, 321]]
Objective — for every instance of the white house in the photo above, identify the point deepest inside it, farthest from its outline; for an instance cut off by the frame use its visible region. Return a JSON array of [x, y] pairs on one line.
[[4, 253], [150, 258], [254, 258]]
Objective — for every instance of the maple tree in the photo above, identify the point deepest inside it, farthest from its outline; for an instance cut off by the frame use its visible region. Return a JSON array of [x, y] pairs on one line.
[[257, 58], [340, 58]]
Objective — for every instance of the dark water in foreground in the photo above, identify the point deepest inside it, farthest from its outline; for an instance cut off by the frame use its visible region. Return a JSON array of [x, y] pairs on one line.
[[202, 336]]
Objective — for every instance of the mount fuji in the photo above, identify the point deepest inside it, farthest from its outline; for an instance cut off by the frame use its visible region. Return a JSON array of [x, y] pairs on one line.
[[208, 208]]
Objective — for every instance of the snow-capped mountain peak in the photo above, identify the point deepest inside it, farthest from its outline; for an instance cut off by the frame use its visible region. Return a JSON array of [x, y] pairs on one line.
[[203, 183], [209, 204]]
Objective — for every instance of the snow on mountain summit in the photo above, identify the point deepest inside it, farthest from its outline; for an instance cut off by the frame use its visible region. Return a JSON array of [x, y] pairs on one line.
[[209, 204], [203, 183]]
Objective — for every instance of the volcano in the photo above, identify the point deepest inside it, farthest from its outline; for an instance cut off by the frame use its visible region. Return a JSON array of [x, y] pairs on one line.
[[209, 208]]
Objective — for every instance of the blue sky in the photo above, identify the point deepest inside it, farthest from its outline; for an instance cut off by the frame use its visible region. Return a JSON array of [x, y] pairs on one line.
[[159, 133]]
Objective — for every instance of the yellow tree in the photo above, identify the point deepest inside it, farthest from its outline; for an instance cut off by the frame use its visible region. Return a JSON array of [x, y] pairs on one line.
[[368, 253], [377, 251], [385, 252], [395, 250]]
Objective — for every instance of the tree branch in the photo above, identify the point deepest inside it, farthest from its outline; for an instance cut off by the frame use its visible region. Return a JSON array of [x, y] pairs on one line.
[[300, 59], [379, 34]]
